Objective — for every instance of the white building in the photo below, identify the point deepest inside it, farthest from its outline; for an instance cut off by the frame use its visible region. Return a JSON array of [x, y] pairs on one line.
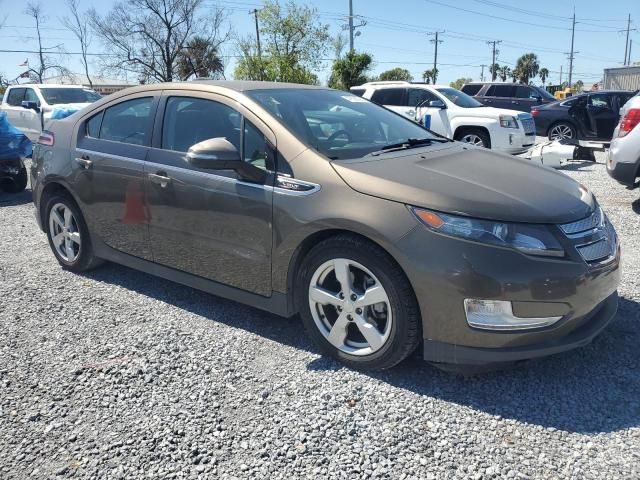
[[102, 85]]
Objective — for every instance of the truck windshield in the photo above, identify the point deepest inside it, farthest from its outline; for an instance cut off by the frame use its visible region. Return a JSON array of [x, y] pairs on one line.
[[461, 99], [55, 96], [338, 124]]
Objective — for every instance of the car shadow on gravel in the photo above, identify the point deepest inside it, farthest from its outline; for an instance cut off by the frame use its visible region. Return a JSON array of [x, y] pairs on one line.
[[15, 199], [635, 206], [576, 165], [595, 389]]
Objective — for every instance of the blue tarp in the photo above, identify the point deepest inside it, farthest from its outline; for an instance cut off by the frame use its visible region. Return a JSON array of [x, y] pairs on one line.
[[13, 143], [63, 112]]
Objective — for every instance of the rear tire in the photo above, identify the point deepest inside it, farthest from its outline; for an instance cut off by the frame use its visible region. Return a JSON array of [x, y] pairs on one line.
[[474, 136], [68, 234], [373, 326]]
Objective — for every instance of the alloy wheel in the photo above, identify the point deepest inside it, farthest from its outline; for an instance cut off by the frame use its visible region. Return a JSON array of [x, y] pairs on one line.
[[350, 307], [473, 139], [560, 132], [65, 234]]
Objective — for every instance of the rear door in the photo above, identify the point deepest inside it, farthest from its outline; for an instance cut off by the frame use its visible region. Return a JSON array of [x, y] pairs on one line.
[[13, 107], [525, 98], [602, 114], [210, 223], [394, 99], [108, 158], [499, 96]]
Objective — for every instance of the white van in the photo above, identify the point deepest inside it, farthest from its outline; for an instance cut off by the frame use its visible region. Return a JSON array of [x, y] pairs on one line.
[[454, 114], [29, 106]]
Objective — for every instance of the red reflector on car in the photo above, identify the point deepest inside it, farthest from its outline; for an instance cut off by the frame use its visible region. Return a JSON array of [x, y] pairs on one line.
[[534, 112], [46, 138], [629, 121]]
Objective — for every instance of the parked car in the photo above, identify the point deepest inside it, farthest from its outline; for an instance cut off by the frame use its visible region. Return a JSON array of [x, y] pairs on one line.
[[453, 114], [301, 199], [590, 116], [508, 95], [14, 146], [29, 106], [623, 163]]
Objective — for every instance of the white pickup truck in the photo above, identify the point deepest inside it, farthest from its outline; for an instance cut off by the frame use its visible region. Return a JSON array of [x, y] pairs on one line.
[[29, 106], [454, 114]]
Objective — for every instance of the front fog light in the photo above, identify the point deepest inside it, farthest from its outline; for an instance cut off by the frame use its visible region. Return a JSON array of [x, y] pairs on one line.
[[498, 315]]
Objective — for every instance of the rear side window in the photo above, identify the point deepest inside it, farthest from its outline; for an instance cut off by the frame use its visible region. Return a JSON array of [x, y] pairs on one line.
[[357, 91], [471, 89], [389, 96], [188, 121], [525, 92], [127, 122], [500, 91], [599, 100], [15, 96], [93, 125]]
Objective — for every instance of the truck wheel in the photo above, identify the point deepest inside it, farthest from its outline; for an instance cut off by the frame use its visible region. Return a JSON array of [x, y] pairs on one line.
[[474, 136]]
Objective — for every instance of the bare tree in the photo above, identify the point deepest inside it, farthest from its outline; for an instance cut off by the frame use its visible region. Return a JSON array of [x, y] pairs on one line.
[[45, 60], [147, 36], [79, 26]]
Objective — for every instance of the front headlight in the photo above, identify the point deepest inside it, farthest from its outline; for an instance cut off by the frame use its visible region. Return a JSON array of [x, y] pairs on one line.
[[527, 238], [508, 121]]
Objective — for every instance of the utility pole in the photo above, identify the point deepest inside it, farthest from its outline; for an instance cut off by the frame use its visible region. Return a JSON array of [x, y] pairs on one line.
[[435, 55], [561, 75], [493, 58], [626, 42], [573, 32], [630, 44], [482, 72], [255, 14], [351, 27]]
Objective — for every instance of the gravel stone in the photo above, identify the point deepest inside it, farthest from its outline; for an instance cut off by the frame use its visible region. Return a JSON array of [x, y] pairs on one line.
[[117, 374]]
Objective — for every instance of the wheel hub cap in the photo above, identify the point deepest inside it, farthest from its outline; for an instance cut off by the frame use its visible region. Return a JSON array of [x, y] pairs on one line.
[[64, 231]]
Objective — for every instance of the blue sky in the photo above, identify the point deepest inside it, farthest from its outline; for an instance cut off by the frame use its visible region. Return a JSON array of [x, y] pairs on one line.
[[396, 33]]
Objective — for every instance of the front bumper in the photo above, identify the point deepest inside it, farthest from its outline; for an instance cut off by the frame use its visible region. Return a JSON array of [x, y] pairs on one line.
[[512, 141], [594, 323]]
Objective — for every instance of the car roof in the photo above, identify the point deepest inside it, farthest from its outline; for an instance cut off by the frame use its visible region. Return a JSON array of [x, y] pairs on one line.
[[246, 85], [46, 85]]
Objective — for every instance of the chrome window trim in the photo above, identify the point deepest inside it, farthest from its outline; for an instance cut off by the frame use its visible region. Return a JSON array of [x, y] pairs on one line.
[[112, 155]]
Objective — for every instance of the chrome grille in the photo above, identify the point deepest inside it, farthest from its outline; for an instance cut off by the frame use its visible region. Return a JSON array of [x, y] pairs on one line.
[[528, 123], [596, 229], [585, 224]]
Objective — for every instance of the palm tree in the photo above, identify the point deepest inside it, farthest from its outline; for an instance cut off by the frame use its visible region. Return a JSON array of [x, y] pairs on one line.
[[504, 72], [543, 74], [527, 67], [493, 70], [200, 58], [427, 76]]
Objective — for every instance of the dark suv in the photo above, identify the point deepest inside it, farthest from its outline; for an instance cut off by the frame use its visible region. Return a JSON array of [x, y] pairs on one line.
[[508, 95]]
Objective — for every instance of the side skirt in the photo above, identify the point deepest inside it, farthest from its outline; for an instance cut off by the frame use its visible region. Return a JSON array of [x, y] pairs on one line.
[[276, 304]]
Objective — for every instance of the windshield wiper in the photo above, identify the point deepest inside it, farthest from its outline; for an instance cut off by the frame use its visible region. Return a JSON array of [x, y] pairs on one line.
[[407, 144]]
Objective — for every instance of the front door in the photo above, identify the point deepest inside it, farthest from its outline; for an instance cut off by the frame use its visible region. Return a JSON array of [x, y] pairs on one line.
[[212, 224], [499, 96], [31, 119], [13, 107], [434, 118], [109, 162]]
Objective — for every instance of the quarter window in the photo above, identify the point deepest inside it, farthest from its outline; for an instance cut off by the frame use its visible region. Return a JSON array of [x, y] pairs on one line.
[[15, 96], [472, 89], [500, 91], [127, 122], [255, 149], [93, 125], [188, 121], [389, 96]]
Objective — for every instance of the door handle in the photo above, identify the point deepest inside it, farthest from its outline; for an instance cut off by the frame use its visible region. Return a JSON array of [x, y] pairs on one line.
[[84, 161], [411, 112], [514, 102], [160, 178]]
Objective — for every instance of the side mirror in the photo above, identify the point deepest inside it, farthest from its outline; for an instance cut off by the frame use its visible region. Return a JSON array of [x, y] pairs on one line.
[[220, 154], [30, 105], [437, 104]]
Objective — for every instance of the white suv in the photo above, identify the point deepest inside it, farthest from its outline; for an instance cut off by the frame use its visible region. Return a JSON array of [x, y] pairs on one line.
[[454, 114], [29, 107]]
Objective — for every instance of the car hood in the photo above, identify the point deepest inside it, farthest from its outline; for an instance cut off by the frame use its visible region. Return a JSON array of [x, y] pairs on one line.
[[472, 181], [487, 112]]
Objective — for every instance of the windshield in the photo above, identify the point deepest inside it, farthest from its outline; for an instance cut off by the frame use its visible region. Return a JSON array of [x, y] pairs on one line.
[[55, 96], [337, 124], [545, 94], [461, 99]]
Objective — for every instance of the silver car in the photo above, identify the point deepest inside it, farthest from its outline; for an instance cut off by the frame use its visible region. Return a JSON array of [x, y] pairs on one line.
[[623, 163]]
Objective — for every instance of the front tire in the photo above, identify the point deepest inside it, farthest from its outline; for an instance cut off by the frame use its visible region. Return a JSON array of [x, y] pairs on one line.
[[562, 131], [68, 234], [474, 136], [357, 304]]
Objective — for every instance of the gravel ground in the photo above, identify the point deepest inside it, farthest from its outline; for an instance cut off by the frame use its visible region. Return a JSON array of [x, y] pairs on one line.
[[117, 374]]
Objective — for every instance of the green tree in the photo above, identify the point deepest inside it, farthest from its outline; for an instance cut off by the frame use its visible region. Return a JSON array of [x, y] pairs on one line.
[[293, 45], [350, 70], [460, 82], [396, 74], [543, 74], [527, 67], [504, 72], [200, 58], [579, 86], [493, 70], [430, 76]]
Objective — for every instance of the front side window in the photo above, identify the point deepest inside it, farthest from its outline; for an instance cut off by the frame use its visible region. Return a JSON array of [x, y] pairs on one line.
[[393, 97], [30, 96], [337, 124], [127, 122], [56, 96], [188, 121], [15, 96], [500, 91], [419, 96]]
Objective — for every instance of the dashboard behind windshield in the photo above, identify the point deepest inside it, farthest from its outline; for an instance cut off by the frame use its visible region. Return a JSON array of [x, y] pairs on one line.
[[337, 124]]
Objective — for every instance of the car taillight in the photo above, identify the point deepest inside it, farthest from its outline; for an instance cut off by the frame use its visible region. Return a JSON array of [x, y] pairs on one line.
[[46, 138], [629, 121], [534, 112]]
